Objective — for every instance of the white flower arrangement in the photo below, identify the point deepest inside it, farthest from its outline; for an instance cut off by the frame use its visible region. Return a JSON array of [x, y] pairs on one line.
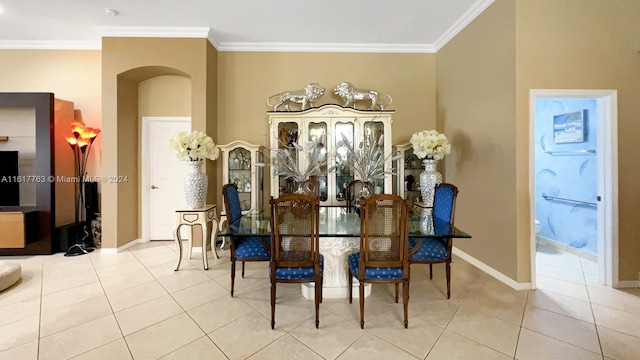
[[368, 159], [429, 144], [194, 146]]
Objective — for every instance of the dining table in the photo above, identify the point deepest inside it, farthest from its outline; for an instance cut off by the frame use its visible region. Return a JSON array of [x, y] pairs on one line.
[[339, 232]]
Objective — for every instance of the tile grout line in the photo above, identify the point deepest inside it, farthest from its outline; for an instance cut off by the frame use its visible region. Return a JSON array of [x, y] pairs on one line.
[[112, 311], [595, 324], [588, 300], [524, 309]]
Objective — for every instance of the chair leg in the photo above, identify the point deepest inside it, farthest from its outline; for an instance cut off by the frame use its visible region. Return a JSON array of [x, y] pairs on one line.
[[233, 275], [405, 301], [318, 298], [243, 269], [273, 304], [397, 286], [361, 304], [321, 285], [448, 268], [350, 282], [430, 271]]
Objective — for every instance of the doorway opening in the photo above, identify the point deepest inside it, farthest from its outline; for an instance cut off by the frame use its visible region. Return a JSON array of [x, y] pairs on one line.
[[573, 186]]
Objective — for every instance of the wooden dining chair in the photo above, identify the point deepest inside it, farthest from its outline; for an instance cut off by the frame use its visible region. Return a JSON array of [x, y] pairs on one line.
[[295, 256], [434, 251], [383, 255], [353, 190], [242, 248]]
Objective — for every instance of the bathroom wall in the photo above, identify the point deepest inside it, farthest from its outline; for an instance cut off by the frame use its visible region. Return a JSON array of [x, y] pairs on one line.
[[572, 176]]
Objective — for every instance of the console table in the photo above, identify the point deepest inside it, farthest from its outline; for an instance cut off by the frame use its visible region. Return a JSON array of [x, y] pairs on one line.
[[205, 217]]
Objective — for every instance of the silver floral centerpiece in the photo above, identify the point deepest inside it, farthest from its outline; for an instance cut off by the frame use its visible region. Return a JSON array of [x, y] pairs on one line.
[[430, 146], [285, 163], [194, 148], [367, 161]]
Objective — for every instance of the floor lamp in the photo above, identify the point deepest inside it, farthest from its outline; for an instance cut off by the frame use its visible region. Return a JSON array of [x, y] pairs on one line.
[[80, 141]]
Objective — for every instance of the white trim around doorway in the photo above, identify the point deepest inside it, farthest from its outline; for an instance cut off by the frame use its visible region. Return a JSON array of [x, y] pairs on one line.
[[607, 155]]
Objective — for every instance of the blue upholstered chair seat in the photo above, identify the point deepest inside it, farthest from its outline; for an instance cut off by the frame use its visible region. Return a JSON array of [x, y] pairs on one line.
[[373, 272], [430, 249], [251, 248], [298, 273]]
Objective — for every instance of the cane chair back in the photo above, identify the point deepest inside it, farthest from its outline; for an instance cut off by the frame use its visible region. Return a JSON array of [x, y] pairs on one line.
[[295, 255], [383, 256]]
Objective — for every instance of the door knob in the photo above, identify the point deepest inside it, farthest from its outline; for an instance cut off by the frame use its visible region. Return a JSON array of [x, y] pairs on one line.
[[153, 187]]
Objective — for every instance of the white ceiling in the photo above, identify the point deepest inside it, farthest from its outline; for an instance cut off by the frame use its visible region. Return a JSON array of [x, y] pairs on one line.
[[241, 25]]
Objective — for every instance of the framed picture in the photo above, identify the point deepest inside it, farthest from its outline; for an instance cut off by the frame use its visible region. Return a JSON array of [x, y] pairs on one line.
[[569, 127]]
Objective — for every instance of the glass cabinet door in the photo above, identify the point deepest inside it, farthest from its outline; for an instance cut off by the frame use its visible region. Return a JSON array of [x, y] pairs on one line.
[[374, 131], [242, 165], [344, 173], [327, 128], [240, 174], [412, 169], [287, 135], [318, 137]]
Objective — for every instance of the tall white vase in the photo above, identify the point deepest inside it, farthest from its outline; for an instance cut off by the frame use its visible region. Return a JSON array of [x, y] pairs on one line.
[[195, 185], [429, 178]]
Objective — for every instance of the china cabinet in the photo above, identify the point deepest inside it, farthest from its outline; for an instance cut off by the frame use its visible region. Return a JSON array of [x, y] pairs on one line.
[[239, 159], [409, 168], [324, 128]]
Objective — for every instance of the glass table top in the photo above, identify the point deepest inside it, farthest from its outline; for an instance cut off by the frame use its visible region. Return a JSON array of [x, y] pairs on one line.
[[337, 221]]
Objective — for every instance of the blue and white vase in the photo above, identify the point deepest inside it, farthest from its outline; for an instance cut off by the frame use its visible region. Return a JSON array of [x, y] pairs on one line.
[[195, 185]]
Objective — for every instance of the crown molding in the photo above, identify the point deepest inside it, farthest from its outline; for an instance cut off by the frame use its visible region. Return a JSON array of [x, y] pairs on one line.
[[49, 45], [166, 32], [326, 47], [207, 32], [462, 22], [154, 31]]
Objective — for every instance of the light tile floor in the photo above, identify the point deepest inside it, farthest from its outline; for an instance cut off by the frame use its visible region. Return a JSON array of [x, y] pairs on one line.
[[132, 305]]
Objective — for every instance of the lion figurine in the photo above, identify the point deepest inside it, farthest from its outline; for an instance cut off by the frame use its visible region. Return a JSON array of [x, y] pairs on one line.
[[304, 97], [350, 94]]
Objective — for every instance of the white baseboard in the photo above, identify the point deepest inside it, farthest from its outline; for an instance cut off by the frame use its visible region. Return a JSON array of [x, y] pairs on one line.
[[627, 284], [121, 248], [491, 271]]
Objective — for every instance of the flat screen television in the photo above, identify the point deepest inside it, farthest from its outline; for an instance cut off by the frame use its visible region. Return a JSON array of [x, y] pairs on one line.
[[9, 186]]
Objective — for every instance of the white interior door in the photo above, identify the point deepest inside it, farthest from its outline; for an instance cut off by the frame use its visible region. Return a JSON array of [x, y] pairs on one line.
[[164, 177]]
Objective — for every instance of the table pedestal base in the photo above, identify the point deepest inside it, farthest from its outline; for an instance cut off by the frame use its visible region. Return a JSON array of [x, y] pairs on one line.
[[335, 281], [308, 291]]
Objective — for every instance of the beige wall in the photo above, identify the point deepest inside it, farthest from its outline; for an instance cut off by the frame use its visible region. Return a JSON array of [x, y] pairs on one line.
[[482, 104], [165, 95], [484, 77], [583, 44], [247, 79], [127, 62], [69, 75], [476, 110]]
